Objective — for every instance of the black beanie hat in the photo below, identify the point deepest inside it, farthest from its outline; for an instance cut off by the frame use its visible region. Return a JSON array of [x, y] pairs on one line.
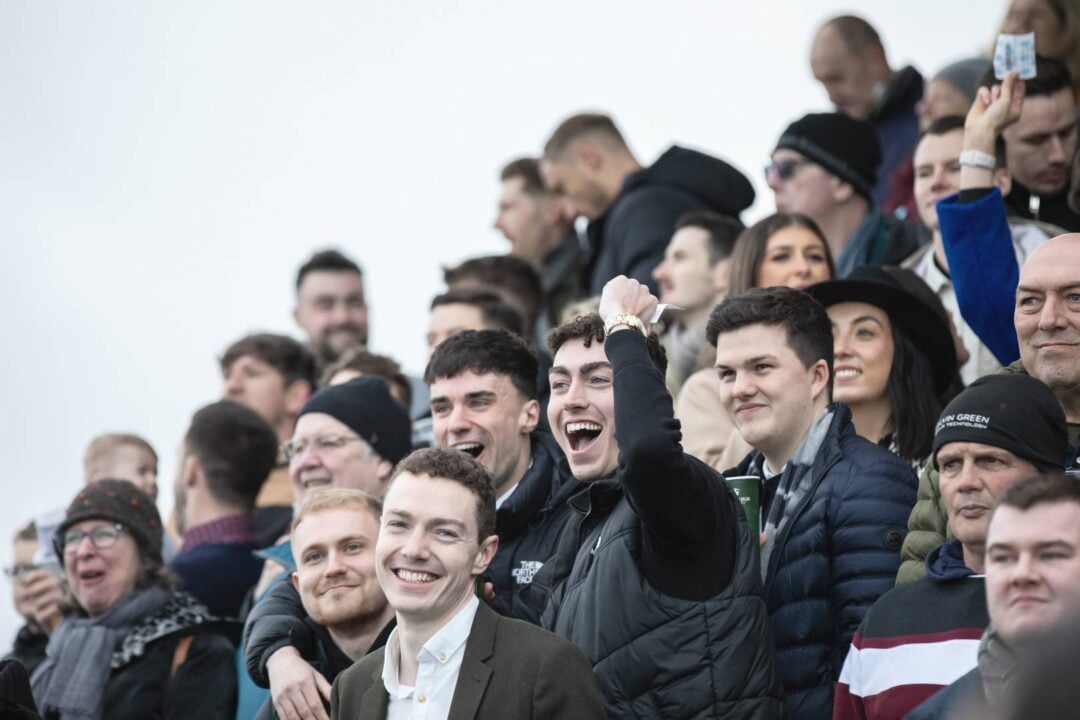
[[122, 502], [365, 405], [846, 147], [1013, 412]]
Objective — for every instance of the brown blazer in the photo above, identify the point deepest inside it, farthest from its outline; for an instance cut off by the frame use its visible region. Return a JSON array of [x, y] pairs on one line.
[[510, 670]]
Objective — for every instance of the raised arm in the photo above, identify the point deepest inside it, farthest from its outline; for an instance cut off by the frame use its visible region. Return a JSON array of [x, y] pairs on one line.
[[685, 508], [975, 230]]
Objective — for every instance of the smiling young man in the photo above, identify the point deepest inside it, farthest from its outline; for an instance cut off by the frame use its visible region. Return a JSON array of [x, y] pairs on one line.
[[834, 506], [922, 636], [273, 375], [330, 304], [333, 544], [484, 402], [1033, 598], [347, 436], [450, 655], [657, 541]]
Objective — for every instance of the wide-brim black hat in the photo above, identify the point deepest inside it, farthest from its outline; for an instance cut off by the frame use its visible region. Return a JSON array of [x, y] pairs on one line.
[[928, 330]]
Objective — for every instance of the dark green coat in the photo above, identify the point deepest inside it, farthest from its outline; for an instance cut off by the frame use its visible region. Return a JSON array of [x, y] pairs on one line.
[[928, 524]]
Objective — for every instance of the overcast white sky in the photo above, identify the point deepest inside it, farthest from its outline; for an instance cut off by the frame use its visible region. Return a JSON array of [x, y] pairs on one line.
[[165, 167]]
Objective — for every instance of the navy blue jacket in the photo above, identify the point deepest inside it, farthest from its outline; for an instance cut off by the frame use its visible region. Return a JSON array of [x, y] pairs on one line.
[[219, 575], [837, 554]]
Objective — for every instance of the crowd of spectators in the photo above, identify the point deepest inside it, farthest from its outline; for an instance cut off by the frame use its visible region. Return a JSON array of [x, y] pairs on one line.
[[670, 466]]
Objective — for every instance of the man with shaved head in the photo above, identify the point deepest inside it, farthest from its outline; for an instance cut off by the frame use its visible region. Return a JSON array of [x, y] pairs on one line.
[[1046, 317], [848, 58], [1047, 320]]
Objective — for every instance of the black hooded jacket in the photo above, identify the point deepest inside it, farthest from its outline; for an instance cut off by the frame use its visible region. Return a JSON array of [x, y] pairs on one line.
[[530, 521], [630, 237]]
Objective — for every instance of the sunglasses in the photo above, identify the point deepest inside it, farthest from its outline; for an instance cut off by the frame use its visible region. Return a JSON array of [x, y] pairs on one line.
[[784, 169]]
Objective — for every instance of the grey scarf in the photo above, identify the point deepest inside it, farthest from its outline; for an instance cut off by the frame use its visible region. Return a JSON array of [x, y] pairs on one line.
[[997, 666], [71, 680], [795, 483]]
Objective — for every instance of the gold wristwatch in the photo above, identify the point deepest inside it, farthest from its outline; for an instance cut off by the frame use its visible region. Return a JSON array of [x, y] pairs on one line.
[[626, 320]]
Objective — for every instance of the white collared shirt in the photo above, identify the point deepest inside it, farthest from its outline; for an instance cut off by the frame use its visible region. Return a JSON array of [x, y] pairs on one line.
[[505, 496], [438, 666]]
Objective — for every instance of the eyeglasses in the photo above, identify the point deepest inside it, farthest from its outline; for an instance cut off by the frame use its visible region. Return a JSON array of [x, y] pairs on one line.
[[322, 443], [784, 169], [102, 538], [18, 570]]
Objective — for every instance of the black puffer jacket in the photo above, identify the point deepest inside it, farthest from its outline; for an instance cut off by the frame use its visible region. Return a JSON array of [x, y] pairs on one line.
[[630, 237], [530, 521], [656, 578], [835, 556], [276, 621]]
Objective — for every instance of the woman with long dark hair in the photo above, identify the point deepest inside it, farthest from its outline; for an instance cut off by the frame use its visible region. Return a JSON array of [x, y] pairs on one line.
[[894, 359]]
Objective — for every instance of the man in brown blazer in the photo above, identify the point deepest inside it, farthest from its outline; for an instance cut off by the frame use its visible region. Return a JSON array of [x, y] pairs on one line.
[[450, 655]]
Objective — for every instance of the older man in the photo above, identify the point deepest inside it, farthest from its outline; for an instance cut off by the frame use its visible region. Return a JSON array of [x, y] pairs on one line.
[[920, 637], [1047, 321], [1033, 596]]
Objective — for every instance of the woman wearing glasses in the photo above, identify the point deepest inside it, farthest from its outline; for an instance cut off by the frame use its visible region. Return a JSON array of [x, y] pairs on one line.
[[783, 249], [134, 647]]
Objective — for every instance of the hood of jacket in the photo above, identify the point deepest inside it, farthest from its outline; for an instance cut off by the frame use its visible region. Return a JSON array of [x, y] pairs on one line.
[[900, 98], [719, 185], [546, 484], [946, 562]]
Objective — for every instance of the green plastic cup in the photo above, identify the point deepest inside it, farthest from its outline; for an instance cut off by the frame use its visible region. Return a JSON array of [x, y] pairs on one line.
[[748, 489]]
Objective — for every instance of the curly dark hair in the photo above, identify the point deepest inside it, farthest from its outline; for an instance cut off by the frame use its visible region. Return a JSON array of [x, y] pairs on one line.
[[448, 464], [590, 328]]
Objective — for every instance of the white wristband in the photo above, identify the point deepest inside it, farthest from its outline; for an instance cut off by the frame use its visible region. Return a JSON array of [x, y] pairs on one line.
[[979, 159]]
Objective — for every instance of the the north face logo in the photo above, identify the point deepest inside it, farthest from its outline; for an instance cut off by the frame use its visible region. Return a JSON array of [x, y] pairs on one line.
[[524, 574]]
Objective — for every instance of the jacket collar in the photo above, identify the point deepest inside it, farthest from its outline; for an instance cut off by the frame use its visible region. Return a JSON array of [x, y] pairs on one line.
[[545, 484], [473, 678]]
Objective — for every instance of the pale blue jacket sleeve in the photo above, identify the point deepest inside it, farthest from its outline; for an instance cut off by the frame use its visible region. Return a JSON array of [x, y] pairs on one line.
[[982, 265]]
